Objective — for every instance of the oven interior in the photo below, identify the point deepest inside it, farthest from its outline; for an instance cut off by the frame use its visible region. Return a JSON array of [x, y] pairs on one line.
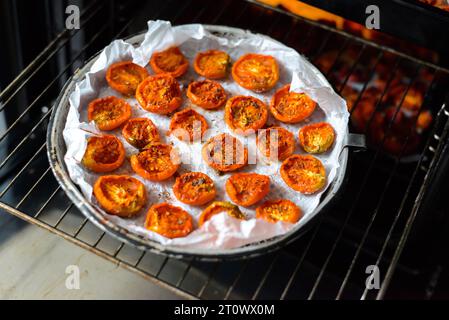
[[391, 213]]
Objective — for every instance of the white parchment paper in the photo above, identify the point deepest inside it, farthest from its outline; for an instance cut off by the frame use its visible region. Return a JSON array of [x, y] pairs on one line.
[[221, 231]]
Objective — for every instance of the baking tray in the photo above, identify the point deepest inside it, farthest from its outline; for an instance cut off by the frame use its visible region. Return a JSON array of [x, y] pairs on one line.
[[56, 150]]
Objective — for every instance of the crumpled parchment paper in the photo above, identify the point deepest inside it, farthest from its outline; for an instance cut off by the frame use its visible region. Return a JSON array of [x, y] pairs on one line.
[[221, 231]]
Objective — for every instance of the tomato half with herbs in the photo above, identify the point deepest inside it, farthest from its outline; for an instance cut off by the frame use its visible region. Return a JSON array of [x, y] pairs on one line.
[[139, 132], [305, 174], [256, 72], [217, 207], [206, 94], [291, 107], [279, 210], [194, 188], [212, 64], [125, 76], [103, 153], [108, 113], [225, 153], [246, 189], [159, 94], [169, 221], [276, 143], [245, 115], [120, 195], [156, 162], [170, 61], [316, 137], [188, 125]]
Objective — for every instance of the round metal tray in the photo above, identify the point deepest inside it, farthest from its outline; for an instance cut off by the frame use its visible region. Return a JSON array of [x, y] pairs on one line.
[[56, 150]]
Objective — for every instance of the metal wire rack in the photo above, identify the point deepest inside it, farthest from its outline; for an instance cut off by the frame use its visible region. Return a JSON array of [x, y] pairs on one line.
[[368, 225]]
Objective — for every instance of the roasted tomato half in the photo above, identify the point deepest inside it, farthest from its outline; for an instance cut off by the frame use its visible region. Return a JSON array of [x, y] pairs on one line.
[[316, 137], [225, 153], [169, 221], [139, 132], [245, 115], [170, 61], [291, 107], [156, 162], [188, 125], [103, 153], [194, 188], [125, 76], [256, 72], [206, 94], [246, 189], [276, 143], [305, 174], [159, 94], [212, 64], [217, 207], [108, 113], [122, 196], [279, 210]]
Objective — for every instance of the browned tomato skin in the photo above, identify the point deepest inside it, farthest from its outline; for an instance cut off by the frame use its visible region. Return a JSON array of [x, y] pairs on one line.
[[188, 125], [125, 76], [160, 94], [194, 188], [291, 107], [245, 114], [157, 162], [246, 189], [239, 153], [169, 221], [120, 195], [103, 154], [108, 113], [305, 174], [170, 61], [217, 207], [285, 144], [139, 132], [207, 94], [279, 210], [316, 137], [212, 64], [264, 79]]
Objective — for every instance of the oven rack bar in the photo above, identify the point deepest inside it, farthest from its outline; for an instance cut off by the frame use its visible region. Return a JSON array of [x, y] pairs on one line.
[[191, 278]]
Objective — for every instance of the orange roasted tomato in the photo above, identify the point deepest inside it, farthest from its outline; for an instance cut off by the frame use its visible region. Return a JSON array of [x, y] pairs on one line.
[[194, 188], [256, 72], [278, 140], [291, 107], [225, 153], [188, 125], [103, 153], [125, 76], [156, 162], [170, 61], [108, 113], [316, 137], [122, 196], [212, 64], [206, 94], [169, 221], [246, 189], [305, 174], [140, 132], [245, 114], [279, 210], [159, 94], [217, 207]]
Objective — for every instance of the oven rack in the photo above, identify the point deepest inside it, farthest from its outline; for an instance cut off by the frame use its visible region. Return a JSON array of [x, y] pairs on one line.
[[329, 261]]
